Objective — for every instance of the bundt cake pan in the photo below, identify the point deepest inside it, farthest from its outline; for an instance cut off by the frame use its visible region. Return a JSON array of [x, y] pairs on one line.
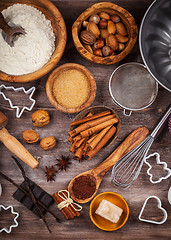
[[155, 41]]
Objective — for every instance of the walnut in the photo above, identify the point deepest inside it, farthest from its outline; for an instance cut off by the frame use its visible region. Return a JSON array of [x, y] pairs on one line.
[[30, 136], [40, 118], [48, 143]]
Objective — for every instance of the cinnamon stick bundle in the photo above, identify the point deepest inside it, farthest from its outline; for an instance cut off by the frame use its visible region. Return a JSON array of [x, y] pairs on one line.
[[90, 124], [92, 134], [68, 212]]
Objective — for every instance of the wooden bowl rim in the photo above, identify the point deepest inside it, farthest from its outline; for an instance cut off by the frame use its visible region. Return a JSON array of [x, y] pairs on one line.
[[96, 109], [63, 67], [116, 195], [110, 59], [55, 56]]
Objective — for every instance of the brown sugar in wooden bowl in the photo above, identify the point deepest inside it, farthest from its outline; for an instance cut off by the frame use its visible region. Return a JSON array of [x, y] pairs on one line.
[[109, 8], [71, 88], [59, 29]]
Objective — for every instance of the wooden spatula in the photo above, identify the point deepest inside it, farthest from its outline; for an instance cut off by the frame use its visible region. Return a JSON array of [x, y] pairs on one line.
[[9, 33]]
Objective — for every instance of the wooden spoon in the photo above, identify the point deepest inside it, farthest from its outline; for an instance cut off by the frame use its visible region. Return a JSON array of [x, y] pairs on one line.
[[97, 173], [10, 32]]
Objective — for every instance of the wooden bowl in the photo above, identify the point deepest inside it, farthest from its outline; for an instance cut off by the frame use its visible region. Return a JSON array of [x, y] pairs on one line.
[[110, 8], [102, 223], [64, 67], [59, 28], [95, 110]]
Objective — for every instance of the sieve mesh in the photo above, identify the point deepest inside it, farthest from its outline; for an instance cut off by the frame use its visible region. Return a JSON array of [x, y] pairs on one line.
[[132, 87]]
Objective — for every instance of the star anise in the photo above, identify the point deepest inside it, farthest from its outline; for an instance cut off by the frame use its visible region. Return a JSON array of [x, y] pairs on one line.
[[50, 173], [63, 163]]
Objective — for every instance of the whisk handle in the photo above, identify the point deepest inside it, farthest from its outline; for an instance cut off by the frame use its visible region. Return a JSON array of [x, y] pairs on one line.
[[161, 124]]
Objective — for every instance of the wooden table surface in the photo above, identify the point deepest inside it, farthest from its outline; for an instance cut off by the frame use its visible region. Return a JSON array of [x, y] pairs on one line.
[[30, 227]]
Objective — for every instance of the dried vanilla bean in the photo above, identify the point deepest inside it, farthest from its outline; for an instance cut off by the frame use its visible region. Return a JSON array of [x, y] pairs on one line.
[[31, 193], [25, 192]]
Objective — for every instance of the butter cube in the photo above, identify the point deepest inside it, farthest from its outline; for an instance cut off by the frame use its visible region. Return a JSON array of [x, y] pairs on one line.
[[109, 211]]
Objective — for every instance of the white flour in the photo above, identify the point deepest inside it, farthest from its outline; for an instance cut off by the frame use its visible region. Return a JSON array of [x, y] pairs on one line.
[[32, 50]]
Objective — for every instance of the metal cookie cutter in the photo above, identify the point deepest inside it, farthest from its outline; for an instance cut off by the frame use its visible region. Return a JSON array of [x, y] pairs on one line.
[[28, 92], [15, 219], [159, 206], [160, 163], [169, 195]]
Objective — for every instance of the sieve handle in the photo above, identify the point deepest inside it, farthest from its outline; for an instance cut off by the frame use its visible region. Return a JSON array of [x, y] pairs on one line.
[[127, 113], [161, 124]]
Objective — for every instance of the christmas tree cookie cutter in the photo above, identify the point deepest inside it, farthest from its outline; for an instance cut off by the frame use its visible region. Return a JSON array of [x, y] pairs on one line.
[[157, 156], [159, 205], [15, 219], [29, 92]]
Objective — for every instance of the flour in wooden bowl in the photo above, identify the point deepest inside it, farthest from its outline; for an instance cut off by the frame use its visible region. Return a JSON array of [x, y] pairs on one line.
[[32, 50]]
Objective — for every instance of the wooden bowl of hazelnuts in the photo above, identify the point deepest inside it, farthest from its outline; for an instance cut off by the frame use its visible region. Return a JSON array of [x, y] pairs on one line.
[[104, 33]]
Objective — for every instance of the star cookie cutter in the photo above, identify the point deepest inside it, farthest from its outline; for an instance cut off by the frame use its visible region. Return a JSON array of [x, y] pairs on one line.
[[28, 92], [159, 205], [160, 163], [15, 219]]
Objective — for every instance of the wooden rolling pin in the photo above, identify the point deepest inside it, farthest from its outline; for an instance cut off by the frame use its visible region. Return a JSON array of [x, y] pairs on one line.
[[14, 145]]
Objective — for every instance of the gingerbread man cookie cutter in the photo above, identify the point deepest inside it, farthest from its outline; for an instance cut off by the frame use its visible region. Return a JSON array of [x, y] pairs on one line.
[[159, 205], [29, 92], [15, 219], [157, 155]]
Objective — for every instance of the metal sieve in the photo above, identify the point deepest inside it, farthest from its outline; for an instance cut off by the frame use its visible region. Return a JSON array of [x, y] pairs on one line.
[[132, 87]]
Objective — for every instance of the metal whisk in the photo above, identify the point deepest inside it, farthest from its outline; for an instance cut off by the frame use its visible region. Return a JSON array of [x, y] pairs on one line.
[[126, 169]]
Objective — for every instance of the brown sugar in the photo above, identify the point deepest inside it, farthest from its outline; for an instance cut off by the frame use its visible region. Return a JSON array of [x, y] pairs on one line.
[[71, 88]]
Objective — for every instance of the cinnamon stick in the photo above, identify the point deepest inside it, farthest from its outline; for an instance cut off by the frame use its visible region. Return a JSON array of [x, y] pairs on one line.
[[75, 213], [98, 127], [65, 211], [91, 138], [73, 148], [104, 140], [79, 151], [79, 142], [88, 118], [77, 138], [98, 138], [90, 124]]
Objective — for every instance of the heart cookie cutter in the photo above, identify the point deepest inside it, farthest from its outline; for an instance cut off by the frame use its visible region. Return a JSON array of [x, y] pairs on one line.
[[29, 92], [160, 163], [159, 204], [15, 219]]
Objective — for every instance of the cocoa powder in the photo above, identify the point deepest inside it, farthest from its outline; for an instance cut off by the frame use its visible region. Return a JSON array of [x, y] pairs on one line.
[[84, 187]]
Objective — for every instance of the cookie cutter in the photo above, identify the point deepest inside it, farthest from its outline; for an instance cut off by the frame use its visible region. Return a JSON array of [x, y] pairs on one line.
[[28, 92], [159, 205], [0, 189], [15, 219], [160, 163], [169, 195]]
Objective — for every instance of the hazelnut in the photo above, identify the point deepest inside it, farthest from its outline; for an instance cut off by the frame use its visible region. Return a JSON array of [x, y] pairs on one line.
[[99, 43], [103, 23], [94, 18], [85, 23], [30, 136], [40, 118], [107, 51], [115, 18], [98, 52], [48, 143]]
